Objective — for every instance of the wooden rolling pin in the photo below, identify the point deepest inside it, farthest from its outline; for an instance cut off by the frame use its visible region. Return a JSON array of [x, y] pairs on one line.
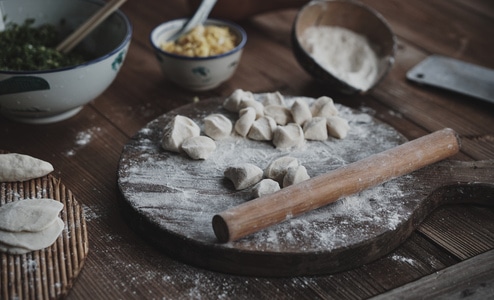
[[260, 213]]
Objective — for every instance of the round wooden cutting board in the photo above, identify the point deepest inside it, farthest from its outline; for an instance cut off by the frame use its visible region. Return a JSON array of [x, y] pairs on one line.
[[48, 273], [171, 199]]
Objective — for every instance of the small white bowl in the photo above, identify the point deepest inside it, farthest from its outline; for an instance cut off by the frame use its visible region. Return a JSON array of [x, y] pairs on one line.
[[40, 97], [197, 73]]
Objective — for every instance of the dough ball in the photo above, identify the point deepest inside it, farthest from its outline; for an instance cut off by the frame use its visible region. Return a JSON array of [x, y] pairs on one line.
[[265, 187], [199, 147], [21, 167], [245, 121], [262, 129], [275, 98], [244, 175], [300, 111], [337, 127], [288, 136], [281, 114], [255, 105], [316, 129], [294, 175], [276, 170], [323, 107], [29, 215], [177, 131], [232, 103], [217, 126]]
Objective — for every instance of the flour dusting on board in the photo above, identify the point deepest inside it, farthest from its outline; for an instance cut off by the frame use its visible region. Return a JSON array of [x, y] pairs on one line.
[[182, 195]]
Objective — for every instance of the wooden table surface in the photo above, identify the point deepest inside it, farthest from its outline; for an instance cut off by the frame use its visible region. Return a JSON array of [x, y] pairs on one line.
[[450, 254]]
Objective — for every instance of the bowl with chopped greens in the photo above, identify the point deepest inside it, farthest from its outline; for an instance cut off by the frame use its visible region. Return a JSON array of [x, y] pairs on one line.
[[39, 84], [202, 58]]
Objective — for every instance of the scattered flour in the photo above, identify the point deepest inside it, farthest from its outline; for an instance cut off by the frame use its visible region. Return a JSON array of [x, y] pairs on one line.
[[344, 53], [82, 139]]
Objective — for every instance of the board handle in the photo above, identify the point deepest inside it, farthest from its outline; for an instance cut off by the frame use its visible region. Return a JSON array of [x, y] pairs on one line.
[[260, 213]]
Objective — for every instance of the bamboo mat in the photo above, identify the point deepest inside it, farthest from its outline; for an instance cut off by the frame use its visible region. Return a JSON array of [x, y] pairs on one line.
[[48, 273]]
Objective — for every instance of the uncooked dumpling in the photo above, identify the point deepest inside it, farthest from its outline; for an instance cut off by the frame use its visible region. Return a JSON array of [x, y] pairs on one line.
[[276, 170], [275, 98], [316, 129], [262, 129], [294, 175], [323, 107], [244, 175], [288, 136], [245, 121], [20, 167], [199, 147], [337, 127], [232, 103], [32, 240], [29, 214], [255, 105], [217, 126], [300, 111], [177, 131], [281, 114], [265, 187]]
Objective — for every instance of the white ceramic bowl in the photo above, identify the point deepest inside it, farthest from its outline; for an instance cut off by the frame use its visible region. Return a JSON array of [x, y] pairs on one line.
[[197, 73], [49, 96]]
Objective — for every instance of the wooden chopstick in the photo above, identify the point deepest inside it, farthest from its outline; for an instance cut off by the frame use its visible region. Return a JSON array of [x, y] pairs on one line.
[[82, 31]]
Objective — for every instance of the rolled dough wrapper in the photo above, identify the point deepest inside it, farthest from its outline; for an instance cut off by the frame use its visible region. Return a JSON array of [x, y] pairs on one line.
[[177, 131], [288, 136], [232, 103], [199, 147], [316, 129], [29, 215], [217, 126], [281, 114], [337, 127], [294, 175], [275, 98], [245, 121], [33, 240], [244, 175], [262, 129], [265, 187], [277, 169], [255, 105], [13, 250], [323, 107], [300, 111], [21, 167]]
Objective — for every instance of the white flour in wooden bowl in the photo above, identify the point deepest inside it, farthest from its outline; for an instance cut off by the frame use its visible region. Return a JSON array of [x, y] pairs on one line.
[[181, 195], [343, 53]]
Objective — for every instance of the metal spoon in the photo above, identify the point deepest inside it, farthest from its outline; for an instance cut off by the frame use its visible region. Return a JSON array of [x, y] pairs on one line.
[[199, 17]]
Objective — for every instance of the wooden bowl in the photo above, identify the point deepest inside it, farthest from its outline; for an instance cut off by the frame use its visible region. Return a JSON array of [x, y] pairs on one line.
[[349, 15]]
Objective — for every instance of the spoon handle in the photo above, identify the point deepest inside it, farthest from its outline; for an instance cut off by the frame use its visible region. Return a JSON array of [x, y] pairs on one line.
[[199, 17]]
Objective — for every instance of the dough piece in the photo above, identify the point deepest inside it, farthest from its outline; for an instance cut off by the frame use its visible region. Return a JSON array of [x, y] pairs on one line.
[[262, 129], [300, 111], [217, 126], [265, 187], [288, 136], [315, 129], [13, 250], [232, 103], [199, 147], [281, 114], [275, 98], [255, 105], [337, 127], [323, 107], [33, 240], [177, 131], [245, 121], [276, 170], [294, 175], [21, 167], [29, 215], [244, 175]]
